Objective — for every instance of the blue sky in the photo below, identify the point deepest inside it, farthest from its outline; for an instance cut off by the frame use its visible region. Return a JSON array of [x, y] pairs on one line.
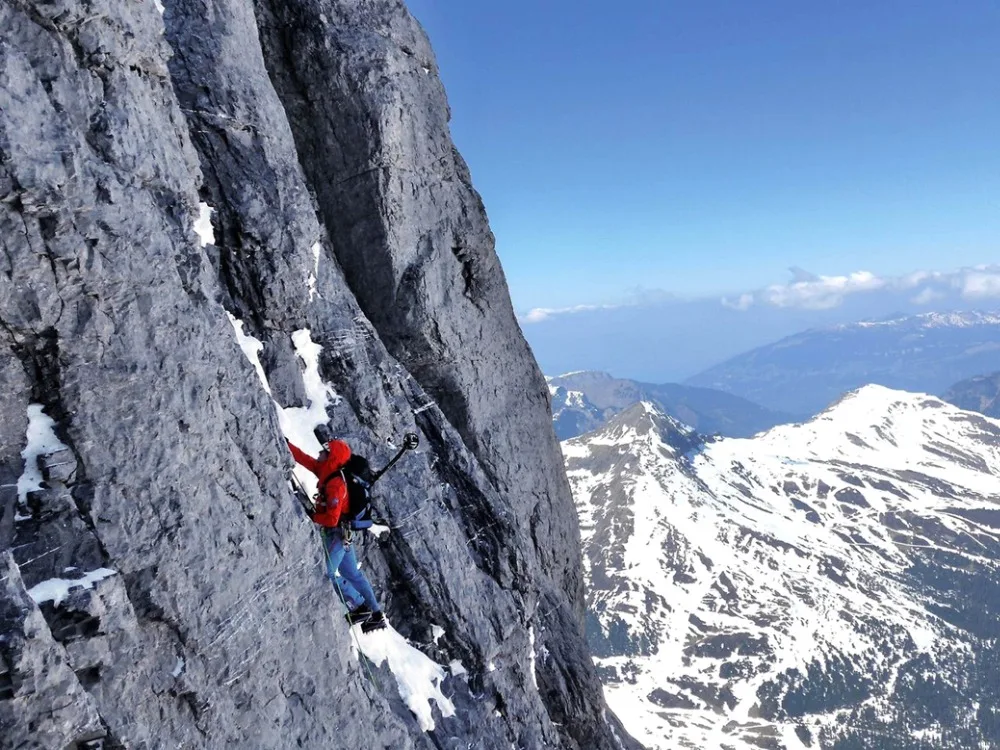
[[702, 148]]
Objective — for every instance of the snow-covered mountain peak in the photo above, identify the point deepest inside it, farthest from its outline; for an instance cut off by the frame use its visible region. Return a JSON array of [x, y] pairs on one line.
[[895, 431], [589, 374], [858, 405], [788, 588], [641, 423]]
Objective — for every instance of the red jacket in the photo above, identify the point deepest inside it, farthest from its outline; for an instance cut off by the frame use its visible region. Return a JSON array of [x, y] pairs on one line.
[[332, 501]]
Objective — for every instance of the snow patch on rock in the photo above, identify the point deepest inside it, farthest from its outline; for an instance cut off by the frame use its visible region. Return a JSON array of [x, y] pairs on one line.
[[531, 656], [42, 441], [298, 422], [315, 271], [251, 347], [203, 224], [56, 590], [418, 678]]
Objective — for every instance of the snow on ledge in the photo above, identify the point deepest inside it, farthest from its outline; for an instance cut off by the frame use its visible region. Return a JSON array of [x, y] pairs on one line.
[[315, 271], [251, 347], [42, 441], [531, 656], [298, 422], [203, 224], [418, 678], [57, 589]]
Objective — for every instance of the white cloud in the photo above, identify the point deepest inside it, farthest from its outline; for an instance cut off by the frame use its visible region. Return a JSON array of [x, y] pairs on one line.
[[743, 302], [538, 314], [915, 279], [981, 283], [810, 292], [928, 295], [822, 292]]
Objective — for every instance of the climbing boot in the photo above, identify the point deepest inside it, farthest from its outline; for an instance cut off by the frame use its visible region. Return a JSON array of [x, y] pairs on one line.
[[375, 622], [361, 613]]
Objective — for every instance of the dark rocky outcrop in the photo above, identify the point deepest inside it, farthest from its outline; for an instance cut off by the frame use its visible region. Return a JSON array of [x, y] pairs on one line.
[[981, 393], [317, 132]]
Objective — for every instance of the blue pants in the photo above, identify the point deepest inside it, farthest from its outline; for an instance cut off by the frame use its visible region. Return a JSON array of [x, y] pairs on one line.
[[351, 584]]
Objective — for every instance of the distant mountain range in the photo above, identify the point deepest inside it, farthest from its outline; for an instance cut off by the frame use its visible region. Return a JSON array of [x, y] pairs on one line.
[[981, 393], [833, 585], [583, 401], [804, 373]]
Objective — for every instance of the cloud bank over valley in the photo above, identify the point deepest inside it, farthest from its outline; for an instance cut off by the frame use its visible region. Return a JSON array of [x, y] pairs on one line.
[[658, 337]]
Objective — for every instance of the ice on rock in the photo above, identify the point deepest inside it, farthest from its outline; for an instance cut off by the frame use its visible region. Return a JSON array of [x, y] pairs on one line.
[[418, 678], [41, 441], [56, 590]]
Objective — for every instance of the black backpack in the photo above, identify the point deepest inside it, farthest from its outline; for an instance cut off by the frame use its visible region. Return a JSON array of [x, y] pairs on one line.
[[359, 478]]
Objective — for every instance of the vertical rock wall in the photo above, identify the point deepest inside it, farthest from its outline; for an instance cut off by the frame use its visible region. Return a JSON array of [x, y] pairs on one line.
[[205, 620]]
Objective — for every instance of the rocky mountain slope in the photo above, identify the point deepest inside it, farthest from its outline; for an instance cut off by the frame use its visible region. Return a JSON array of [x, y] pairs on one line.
[[225, 223], [981, 393], [834, 584], [803, 374], [583, 401]]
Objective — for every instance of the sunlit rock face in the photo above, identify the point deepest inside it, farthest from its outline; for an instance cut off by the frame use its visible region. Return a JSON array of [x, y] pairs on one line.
[[223, 224], [834, 584]]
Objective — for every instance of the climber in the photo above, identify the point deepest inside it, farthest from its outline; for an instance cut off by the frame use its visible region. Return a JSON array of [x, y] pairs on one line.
[[333, 514]]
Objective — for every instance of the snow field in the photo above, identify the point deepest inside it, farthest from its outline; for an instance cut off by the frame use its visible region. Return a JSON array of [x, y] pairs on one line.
[[718, 540]]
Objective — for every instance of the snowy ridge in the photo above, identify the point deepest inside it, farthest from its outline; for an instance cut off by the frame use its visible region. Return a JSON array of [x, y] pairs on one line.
[[572, 412], [930, 320], [783, 591]]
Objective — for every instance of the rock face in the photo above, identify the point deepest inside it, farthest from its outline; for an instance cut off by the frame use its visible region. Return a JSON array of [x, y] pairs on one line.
[[981, 393], [159, 586], [829, 585]]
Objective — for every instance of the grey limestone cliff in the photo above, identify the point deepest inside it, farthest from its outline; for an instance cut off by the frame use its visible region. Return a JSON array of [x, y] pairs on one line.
[[142, 467]]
